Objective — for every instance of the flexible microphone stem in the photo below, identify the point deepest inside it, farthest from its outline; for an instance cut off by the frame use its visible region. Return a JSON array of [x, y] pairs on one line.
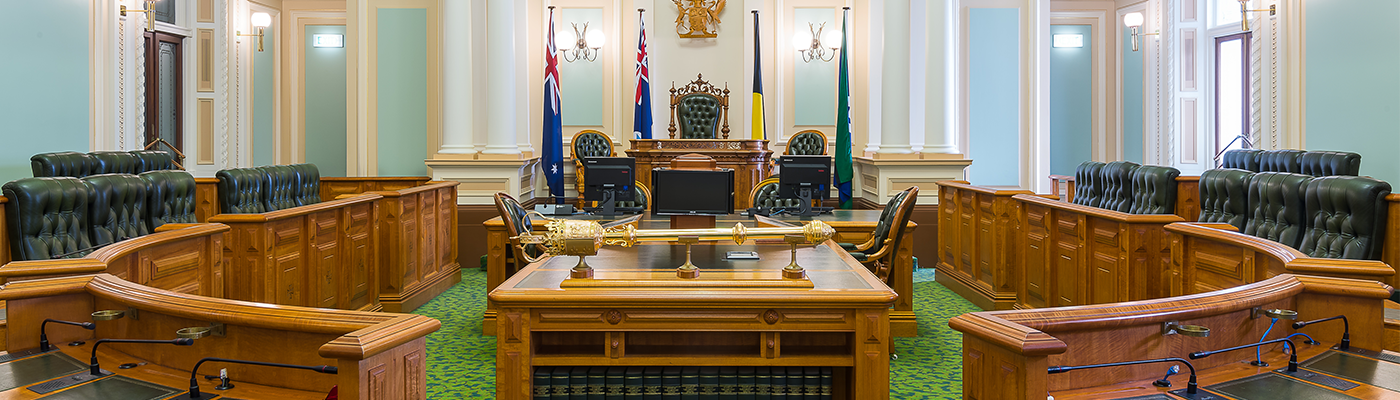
[[194, 373], [1190, 384], [44, 336], [1292, 355], [1346, 329], [97, 370]]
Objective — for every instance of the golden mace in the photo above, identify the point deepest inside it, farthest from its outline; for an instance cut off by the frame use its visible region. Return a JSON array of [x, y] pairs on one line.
[[584, 238]]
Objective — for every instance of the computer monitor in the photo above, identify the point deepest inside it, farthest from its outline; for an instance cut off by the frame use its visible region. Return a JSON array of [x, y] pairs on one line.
[[805, 178], [608, 180], [691, 192]]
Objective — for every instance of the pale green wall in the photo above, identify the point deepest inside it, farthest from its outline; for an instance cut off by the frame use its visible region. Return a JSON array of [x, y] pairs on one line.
[[994, 89], [1071, 101], [265, 101], [1353, 82], [581, 82], [1132, 96], [43, 81], [814, 83], [403, 91], [324, 77]]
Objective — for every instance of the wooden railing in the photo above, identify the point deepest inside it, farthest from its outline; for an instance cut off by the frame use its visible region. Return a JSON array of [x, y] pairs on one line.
[[975, 227], [1214, 257], [1006, 353], [418, 244], [379, 355], [189, 259]]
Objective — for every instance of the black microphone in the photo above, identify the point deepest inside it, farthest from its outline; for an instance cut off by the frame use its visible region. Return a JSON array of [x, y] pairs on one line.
[[1292, 356], [96, 370], [194, 373], [44, 336], [1164, 382], [1190, 384], [1346, 329]]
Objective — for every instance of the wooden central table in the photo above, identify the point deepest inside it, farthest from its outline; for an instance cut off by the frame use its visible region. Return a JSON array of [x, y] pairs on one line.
[[635, 312], [852, 226]]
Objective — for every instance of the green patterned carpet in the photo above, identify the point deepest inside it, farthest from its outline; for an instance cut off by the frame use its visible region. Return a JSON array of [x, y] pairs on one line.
[[462, 363]]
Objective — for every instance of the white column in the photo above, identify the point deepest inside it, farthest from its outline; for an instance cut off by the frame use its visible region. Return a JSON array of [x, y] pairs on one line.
[[939, 132], [457, 82], [894, 88], [500, 51]]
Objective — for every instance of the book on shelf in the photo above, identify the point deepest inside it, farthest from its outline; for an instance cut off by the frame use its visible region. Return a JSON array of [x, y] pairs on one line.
[[762, 383], [651, 380], [597, 383], [811, 383], [559, 383], [578, 383], [745, 387], [709, 383], [633, 383], [779, 384], [613, 380], [541, 383], [671, 383], [728, 383], [826, 383], [690, 383]]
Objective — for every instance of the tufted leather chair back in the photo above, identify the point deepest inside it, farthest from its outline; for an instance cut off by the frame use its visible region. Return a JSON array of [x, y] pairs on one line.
[[806, 143], [113, 162], [48, 217], [766, 195], [1224, 197], [1276, 207], [63, 163], [1116, 178], [153, 160], [280, 187], [1286, 160], [1088, 190], [1154, 190], [1330, 163], [591, 143], [308, 184], [1245, 159], [887, 222], [697, 115], [170, 197], [117, 208], [240, 191], [895, 232], [1346, 217], [512, 214]]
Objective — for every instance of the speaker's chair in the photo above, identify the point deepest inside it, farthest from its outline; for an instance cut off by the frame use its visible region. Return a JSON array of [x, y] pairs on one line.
[[588, 143], [700, 109], [1276, 207], [1224, 197], [1346, 217], [47, 218]]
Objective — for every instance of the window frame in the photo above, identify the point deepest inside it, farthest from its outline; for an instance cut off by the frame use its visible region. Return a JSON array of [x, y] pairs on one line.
[[1244, 38]]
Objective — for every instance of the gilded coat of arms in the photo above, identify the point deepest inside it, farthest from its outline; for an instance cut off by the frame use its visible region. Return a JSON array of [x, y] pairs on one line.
[[696, 19]]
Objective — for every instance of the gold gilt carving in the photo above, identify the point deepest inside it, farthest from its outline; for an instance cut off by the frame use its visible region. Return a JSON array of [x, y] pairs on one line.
[[695, 19], [584, 238]]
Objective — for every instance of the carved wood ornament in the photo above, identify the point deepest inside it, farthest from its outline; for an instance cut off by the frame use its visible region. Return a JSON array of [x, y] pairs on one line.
[[694, 20]]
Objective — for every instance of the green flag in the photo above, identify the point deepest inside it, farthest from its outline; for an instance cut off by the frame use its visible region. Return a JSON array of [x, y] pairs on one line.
[[844, 173]]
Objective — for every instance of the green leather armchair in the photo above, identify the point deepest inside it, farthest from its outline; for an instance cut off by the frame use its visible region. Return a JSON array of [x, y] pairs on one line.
[[1276, 207], [279, 187], [765, 194], [1245, 159], [588, 143], [1285, 160], [47, 218], [513, 215], [63, 163], [1088, 190], [308, 184], [117, 208], [1116, 178], [806, 143], [1329, 163], [170, 197], [1346, 217], [861, 252], [153, 160], [1224, 198], [113, 162], [700, 109], [1154, 190], [881, 261], [240, 191]]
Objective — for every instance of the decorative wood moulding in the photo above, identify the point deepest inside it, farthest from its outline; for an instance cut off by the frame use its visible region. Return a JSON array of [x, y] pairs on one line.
[[696, 19]]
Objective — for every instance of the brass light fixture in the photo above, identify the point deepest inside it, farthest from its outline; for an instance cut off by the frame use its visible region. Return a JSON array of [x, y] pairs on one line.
[[259, 20], [150, 14], [1133, 21], [1244, 13], [814, 42]]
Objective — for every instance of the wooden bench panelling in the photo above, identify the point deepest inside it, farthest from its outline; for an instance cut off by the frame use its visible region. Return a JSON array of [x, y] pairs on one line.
[[189, 259], [319, 255], [976, 226], [380, 351], [332, 187], [418, 244], [1214, 256]]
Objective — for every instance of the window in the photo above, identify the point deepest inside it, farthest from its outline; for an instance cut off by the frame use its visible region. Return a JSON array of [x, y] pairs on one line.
[[163, 100], [1231, 91], [1226, 12], [164, 11]]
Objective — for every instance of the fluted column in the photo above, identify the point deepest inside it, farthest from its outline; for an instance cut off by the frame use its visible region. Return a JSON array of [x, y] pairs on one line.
[[894, 87], [457, 83], [500, 52], [939, 132]]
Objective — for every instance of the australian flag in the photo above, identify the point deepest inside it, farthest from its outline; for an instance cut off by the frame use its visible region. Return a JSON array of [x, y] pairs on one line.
[[641, 120], [552, 155]]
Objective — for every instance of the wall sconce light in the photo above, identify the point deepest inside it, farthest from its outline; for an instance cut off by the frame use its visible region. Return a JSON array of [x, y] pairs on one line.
[[150, 14], [1134, 20], [1244, 13], [812, 43], [586, 43], [259, 20]]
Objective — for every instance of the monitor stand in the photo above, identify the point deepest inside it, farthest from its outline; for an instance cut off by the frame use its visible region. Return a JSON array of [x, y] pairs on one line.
[[806, 210], [607, 207]]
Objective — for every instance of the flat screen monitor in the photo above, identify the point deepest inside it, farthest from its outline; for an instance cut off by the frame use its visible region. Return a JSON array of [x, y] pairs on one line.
[[601, 173], [688, 192], [812, 172]]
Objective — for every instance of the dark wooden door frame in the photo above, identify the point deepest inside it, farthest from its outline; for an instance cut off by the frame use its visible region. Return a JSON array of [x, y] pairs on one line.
[[153, 40]]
